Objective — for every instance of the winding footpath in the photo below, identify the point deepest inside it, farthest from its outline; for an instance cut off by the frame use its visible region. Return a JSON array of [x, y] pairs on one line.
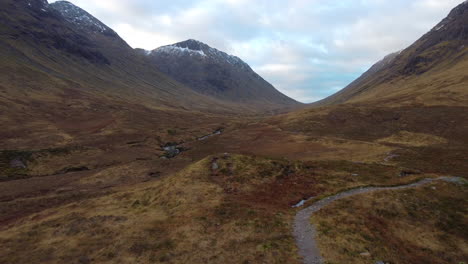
[[305, 232]]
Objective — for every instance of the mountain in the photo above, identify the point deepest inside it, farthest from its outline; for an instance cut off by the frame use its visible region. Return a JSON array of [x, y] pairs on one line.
[[346, 93], [430, 71], [67, 67], [418, 94], [64, 42], [82, 19], [216, 73]]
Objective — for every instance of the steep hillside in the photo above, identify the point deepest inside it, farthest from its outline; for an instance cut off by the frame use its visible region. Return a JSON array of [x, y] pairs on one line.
[[346, 93], [72, 78], [215, 73], [79, 48], [432, 71], [420, 92]]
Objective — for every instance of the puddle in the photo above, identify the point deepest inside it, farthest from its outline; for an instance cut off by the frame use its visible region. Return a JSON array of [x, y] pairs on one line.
[[171, 150], [215, 133], [390, 157], [302, 202]]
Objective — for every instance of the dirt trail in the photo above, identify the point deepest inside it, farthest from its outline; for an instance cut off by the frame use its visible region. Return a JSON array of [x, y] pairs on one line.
[[305, 232]]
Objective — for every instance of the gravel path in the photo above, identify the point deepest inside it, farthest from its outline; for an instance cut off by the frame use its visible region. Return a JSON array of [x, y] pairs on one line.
[[305, 232]]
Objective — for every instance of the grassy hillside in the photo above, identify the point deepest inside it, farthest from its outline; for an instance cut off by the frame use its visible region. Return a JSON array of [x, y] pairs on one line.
[[432, 71], [237, 211], [423, 225]]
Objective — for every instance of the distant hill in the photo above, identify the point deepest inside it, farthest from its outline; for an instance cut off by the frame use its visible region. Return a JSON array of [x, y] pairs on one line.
[[68, 77], [216, 73], [433, 70]]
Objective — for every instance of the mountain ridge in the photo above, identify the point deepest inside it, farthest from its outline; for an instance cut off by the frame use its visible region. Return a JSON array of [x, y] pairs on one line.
[[213, 72], [441, 51], [62, 33]]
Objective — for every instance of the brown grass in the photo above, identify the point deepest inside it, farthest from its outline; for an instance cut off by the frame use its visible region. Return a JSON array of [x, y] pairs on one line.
[[413, 139], [423, 225], [238, 213], [185, 218]]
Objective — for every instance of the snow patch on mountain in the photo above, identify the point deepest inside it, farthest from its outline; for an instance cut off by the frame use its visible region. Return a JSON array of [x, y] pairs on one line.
[[178, 50], [79, 17], [199, 49], [439, 27], [37, 5]]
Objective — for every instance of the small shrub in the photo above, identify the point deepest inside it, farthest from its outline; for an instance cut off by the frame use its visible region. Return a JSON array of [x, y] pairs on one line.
[[172, 132]]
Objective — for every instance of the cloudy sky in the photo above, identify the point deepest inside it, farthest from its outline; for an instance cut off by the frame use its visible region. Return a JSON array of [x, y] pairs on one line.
[[308, 49]]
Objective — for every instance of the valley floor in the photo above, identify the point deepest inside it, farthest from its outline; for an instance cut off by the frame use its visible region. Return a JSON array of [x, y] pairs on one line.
[[229, 197]]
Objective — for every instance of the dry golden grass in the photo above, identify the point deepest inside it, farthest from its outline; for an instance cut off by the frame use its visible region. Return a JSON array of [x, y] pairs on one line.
[[413, 139], [237, 213], [140, 224], [423, 225], [443, 85], [184, 218], [350, 150]]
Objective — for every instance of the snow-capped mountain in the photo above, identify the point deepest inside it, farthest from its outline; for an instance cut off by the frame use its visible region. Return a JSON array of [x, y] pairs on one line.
[[215, 73], [81, 18], [193, 47]]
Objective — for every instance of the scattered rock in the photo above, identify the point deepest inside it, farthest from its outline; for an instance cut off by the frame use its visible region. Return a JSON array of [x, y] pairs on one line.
[[172, 149], [84, 260], [354, 174], [17, 164], [72, 169], [154, 174], [408, 172], [379, 262], [365, 254], [214, 165]]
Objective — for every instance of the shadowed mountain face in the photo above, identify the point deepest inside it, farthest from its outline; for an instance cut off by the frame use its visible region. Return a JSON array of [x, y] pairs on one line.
[[82, 19], [215, 73], [72, 79], [65, 41], [62, 41], [432, 70], [66, 68]]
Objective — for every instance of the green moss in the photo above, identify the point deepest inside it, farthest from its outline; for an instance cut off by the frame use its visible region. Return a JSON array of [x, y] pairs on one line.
[[9, 173], [172, 132]]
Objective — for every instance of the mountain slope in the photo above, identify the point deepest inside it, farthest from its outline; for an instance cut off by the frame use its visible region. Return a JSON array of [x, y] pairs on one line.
[[73, 78], [346, 93], [215, 73], [36, 35], [419, 93], [431, 71]]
